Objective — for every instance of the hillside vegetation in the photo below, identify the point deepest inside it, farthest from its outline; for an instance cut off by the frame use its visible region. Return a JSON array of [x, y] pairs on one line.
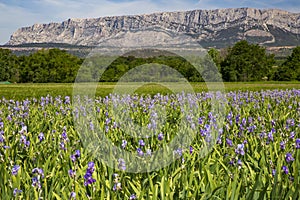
[[241, 62]]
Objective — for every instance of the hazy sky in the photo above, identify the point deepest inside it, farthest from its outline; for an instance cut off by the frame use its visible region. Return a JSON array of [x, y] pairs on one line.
[[19, 13]]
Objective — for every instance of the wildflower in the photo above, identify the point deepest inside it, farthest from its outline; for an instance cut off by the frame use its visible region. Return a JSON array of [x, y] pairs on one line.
[[77, 153], [262, 135], [88, 175], [91, 126], [75, 156], [289, 158], [72, 173], [200, 120], [67, 100], [273, 172], [117, 186], [142, 143], [15, 169], [73, 195], [178, 152], [285, 169], [229, 142], [160, 137], [23, 130], [140, 152], [38, 171], [298, 143], [282, 145], [124, 143], [16, 191], [88, 179], [292, 135], [231, 162], [239, 162], [148, 152], [62, 146], [36, 182], [191, 149], [24, 140], [132, 197], [41, 137], [240, 149], [121, 164], [27, 143], [270, 136], [1, 138]]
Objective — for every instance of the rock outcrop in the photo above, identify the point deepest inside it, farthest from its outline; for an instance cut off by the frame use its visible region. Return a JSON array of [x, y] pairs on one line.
[[220, 27]]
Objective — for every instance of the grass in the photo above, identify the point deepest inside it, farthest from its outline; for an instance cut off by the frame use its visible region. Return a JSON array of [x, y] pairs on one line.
[[27, 90], [260, 121]]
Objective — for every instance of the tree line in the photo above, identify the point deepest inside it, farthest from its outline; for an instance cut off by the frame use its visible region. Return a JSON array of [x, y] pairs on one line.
[[241, 62]]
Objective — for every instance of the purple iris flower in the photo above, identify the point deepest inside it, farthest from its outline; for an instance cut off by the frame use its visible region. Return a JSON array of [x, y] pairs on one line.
[[229, 142], [298, 143], [282, 145], [121, 164], [142, 143], [73, 195], [72, 173], [240, 149], [16, 191], [38, 171], [160, 137], [15, 169], [140, 152], [273, 172], [41, 137], [191, 149], [88, 179], [285, 169], [289, 158], [124, 143], [36, 182]]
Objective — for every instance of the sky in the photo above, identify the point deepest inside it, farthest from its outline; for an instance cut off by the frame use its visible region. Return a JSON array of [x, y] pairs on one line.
[[15, 14]]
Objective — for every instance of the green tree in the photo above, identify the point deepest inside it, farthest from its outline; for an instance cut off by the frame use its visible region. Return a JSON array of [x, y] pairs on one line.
[[246, 62], [216, 57], [53, 65], [8, 66], [290, 69]]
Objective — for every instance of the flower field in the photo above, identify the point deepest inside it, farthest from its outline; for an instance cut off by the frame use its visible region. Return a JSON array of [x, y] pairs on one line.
[[251, 146]]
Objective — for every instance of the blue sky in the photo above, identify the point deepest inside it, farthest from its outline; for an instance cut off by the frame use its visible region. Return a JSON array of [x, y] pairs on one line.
[[19, 13]]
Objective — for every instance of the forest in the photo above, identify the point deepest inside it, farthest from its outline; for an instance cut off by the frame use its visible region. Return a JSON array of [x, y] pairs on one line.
[[242, 62]]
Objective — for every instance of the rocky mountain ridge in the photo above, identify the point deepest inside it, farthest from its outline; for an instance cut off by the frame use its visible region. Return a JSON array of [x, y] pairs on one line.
[[211, 28]]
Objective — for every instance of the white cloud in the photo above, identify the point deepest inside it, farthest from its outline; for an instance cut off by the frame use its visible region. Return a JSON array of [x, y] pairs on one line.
[[12, 18]]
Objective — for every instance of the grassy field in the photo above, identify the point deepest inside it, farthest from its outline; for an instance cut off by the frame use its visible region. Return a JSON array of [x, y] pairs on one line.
[[23, 91], [122, 148]]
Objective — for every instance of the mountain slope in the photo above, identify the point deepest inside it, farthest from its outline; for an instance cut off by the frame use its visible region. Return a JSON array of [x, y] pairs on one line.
[[218, 28]]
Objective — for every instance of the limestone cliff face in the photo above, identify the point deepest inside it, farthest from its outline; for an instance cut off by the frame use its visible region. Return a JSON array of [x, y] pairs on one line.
[[209, 27]]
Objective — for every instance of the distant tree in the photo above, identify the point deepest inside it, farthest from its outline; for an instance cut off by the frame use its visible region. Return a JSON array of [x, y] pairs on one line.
[[246, 62], [53, 65], [216, 57], [290, 69], [8, 66]]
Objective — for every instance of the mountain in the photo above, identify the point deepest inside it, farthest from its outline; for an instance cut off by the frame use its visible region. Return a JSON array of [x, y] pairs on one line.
[[211, 28]]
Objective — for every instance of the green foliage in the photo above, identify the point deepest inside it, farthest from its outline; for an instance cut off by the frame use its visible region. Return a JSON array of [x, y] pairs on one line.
[[215, 55], [250, 118], [246, 62], [243, 62], [52, 65], [122, 65], [8, 65], [290, 69]]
